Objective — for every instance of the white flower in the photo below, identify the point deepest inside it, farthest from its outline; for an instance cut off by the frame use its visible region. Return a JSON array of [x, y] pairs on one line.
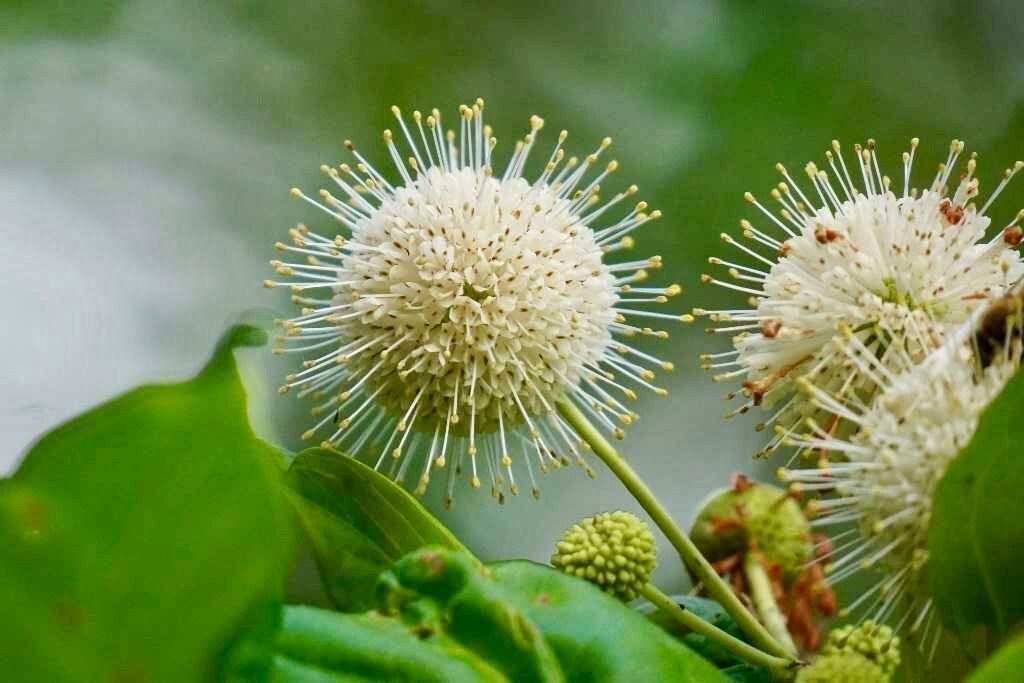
[[464, 303], [883, 481], [901, 267]]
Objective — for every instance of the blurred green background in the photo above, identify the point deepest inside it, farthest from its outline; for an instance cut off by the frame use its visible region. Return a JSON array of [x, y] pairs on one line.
[[147, 148]]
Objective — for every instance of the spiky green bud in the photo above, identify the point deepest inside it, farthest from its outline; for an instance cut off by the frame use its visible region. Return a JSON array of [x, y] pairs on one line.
[[874, 641], [848, 667], [614, 550], [734, 519]]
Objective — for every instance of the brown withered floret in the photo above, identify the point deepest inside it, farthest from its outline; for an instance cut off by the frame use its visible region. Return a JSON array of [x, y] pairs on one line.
[[1001, 320], [954, 213]]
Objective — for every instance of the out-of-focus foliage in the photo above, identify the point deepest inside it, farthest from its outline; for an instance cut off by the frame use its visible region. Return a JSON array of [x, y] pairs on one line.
[[1007, 664], [145, 540], [976, 536]]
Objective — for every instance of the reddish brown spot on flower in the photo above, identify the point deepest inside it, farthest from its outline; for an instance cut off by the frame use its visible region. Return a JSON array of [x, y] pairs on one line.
[[822, 546], [825, 234], [741, 482], [770, 328], [953, 213], [722, 524], [1013, 235], [785, 249]]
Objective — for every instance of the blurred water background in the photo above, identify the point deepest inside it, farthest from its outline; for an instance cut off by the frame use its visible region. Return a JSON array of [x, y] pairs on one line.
[[147, 148]]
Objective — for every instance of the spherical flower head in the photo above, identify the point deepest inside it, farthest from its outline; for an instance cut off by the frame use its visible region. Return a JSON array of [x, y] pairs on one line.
[[461, 304], [848, 667], [876, 642], [614, 550], [897, 265], [758, 516], [885, 475]]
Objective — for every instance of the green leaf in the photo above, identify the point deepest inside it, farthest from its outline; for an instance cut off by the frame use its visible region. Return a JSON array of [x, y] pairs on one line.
[[140, 538], [713, 613], [318, 645], [444, 616], [1007, 664], [974, 542], [596, 637], [359, 523]]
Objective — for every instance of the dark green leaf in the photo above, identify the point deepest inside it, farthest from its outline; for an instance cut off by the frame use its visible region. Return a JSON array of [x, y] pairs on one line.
[[141, 537], [359, 523], [596, 637], [1006, 665], [711, 612], [322, 646], [974, 540]]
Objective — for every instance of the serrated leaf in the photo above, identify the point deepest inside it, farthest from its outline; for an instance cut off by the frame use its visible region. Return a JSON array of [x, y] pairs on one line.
[[359, 523], [142, 536], [975, 540]]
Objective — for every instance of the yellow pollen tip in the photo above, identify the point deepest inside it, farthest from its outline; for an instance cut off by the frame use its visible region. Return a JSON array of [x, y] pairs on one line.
[[295, 192]]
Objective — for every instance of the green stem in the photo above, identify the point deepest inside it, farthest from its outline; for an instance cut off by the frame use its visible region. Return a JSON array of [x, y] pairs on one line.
[[764, 600], [688, 552], [781, 667]]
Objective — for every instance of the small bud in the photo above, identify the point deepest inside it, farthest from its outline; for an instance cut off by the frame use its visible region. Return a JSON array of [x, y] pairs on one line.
[[842, 668], [870, 640], [614, 550]]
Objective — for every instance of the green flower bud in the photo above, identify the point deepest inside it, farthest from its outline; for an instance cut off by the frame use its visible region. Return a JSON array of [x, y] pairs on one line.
[[873, 641], [734, 519], [614, 550], [848, 667]]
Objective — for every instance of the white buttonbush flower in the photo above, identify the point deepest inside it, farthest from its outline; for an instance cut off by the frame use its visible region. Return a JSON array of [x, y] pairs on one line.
[[883, 481], [898, 266], [459, 303]]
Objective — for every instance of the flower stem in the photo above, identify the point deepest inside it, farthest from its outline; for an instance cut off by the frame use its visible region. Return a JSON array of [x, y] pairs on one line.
[[764, 600], [688, 552], [781, 667]]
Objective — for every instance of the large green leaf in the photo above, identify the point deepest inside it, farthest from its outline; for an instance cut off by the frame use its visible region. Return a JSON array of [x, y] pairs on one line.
[[140, 538], [975, 537], [359, 523], [443, 616], [1007, 664], [596, 637]]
